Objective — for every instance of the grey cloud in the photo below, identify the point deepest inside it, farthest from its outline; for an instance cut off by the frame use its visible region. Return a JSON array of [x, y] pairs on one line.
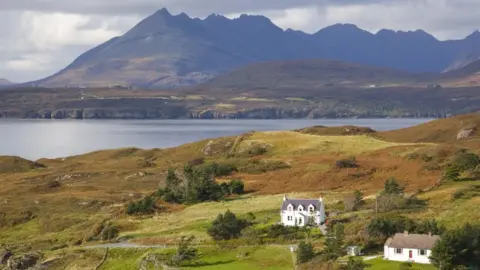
[[192, 7]]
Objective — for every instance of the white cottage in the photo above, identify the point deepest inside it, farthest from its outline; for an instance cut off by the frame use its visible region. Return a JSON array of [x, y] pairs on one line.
[[405, 247], [298, 212]]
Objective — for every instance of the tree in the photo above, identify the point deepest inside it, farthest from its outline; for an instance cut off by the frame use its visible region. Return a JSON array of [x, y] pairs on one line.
[[172, 181], [225, 189], [353, 201], [392, 187], [354, 264], [237, 187], [452, 172], [184, 251], [458, 248], [145, 206], [465, 161], [109, 232], [305, 252], [227, 226], [334, 244]]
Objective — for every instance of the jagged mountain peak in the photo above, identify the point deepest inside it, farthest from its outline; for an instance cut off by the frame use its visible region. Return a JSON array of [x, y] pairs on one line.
[[164, 49], [162, 12], [419, 35]]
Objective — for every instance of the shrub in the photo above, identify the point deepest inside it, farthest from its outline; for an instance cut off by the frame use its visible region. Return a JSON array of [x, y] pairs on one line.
[[218, 169], [405, 266], [305, 252], [353, 201], [465, 161], [346, 163], [392, 187], [452, 172], [196, 162], [145, 206], [109, 232], [227, 226], [185, 251], [257, 150], [458, 248], [354, 264], [225, 188], [237, 187], [466, 193], [257, 166]]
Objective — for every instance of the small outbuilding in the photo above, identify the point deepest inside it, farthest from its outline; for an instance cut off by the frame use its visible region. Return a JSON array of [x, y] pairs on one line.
[[354, 251]]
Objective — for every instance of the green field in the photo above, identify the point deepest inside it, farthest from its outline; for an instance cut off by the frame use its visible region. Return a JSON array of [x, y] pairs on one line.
[[381, 264], [274, 258]]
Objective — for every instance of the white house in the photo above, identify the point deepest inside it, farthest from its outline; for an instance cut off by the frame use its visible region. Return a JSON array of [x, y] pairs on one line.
[[405, 247], [298, 212]]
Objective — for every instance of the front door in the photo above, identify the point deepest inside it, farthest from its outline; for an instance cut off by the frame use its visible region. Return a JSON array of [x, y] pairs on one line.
[[410, 254]]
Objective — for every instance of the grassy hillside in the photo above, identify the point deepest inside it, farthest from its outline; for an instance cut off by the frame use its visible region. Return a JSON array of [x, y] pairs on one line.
[[312, 74], [463, 130], [58, 207]]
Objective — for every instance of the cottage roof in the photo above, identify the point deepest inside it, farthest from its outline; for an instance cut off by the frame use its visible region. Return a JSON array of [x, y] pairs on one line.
[[304, 202], [416, 241]]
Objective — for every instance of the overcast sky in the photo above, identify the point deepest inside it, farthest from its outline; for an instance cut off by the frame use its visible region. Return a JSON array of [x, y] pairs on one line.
[[39, 37]]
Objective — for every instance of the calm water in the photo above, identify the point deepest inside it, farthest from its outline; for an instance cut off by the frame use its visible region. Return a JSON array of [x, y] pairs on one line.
[[34, 139]]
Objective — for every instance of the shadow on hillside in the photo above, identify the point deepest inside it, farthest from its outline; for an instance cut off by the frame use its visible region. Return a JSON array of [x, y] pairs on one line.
[[209, 263]]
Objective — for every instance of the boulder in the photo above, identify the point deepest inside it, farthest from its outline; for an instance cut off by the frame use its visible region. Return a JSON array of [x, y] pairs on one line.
[[466, 133], [5, 255], [26, 261]]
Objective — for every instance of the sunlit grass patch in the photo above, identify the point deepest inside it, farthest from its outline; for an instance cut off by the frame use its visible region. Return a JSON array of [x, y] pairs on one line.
[[287, 142], [252, 99], [225, 105], [295, 99]]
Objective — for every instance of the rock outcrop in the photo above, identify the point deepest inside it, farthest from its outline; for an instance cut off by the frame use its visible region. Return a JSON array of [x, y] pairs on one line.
[[25, 261], [4, 256], [466, 132]]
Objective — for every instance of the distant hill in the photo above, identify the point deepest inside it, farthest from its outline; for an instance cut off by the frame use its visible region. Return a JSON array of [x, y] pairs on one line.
[[468, 75], [310, 74], [4, 82], [165, 51]]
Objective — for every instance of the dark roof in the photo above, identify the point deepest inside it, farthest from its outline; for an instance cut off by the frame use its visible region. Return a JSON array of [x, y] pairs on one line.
[[417, 241], [304, 202]]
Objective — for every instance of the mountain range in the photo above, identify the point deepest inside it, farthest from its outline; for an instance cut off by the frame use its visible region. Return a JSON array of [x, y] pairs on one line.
[[168, 51]]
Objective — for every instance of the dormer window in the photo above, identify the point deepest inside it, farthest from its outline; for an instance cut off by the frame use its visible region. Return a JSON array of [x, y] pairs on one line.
[[290, 207], [300, 208], [311, 208]]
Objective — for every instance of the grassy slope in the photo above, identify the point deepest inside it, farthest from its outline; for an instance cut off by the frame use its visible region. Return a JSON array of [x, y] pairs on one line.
[[442, 131], [380, 264], [93, 187]]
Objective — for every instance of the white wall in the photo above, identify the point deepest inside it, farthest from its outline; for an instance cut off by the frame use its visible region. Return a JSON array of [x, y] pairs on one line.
[[304, 215], [389, 254]]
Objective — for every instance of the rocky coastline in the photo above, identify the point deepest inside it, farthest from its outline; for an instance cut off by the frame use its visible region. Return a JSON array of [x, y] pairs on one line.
[[179, 112]]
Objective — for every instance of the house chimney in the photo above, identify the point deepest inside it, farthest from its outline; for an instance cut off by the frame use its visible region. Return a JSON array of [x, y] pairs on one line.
[[405, 232], [320, 199], [285, 197]]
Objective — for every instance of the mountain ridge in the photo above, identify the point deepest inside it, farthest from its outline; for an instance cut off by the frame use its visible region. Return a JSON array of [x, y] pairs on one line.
[[171, 51]]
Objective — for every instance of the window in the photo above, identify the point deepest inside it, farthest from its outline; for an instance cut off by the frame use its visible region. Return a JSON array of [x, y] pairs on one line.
[[300, 208], [290, 207], [311, 209], [289, 218], [299, 221], [398, 251], [422, 252]]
